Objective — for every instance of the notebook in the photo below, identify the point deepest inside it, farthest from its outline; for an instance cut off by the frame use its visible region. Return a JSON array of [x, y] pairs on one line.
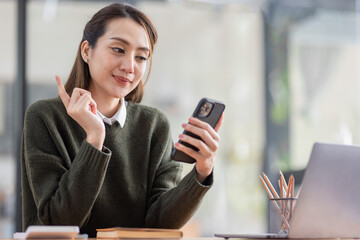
[[329, 202]]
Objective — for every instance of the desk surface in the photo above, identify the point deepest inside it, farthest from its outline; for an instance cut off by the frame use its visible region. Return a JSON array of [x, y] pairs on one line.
[[217, 238], [186, 238]]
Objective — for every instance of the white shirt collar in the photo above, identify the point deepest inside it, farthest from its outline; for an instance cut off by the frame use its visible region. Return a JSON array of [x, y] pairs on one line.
[[119, 116]]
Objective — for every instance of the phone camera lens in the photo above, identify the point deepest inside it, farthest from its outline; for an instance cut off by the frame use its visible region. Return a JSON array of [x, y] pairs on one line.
[[205, 109]]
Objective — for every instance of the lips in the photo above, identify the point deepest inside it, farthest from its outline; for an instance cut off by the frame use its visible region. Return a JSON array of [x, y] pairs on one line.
[[122, 80]]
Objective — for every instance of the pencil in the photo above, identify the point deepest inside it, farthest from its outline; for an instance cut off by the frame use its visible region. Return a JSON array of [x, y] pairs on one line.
[[289, 187], [292, 195], [283, 179], [266, 187], [281, 195], [285, 202], [270, 185], [274, 202], [292, 185]]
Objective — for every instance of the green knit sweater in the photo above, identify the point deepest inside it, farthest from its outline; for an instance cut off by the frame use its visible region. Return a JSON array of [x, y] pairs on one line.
[[132, 182]]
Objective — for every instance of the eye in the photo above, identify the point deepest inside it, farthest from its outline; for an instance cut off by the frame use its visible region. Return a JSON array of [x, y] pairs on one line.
[[141, 58], [118, 50]]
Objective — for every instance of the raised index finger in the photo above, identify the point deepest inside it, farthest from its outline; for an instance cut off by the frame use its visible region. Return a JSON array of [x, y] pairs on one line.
[[65, 98]]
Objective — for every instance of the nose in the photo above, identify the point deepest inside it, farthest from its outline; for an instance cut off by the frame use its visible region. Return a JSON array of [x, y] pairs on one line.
[[127, 64]]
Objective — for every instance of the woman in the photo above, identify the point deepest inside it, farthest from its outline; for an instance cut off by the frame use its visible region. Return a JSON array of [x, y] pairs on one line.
[[95, 157]]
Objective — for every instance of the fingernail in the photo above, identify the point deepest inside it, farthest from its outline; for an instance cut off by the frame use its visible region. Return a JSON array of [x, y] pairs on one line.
[[183, 125], [181, 136]]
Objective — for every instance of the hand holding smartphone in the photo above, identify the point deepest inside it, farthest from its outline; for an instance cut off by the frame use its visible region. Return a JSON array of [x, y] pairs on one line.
[[207, 110]]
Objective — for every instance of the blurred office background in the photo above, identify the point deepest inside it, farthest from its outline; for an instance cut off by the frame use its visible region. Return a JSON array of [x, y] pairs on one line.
[[287, 70]]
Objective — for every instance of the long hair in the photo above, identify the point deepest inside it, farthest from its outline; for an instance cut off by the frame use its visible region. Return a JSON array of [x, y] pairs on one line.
[[94, 29]]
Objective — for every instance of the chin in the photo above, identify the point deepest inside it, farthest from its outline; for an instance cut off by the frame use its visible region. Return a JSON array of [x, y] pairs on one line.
[[118, 94]]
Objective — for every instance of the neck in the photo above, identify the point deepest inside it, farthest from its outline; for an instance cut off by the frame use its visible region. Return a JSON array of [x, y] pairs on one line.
[[106, 104], [108, 107]]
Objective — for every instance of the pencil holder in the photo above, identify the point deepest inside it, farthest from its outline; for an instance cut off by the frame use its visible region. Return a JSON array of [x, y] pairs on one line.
[[280, 213]]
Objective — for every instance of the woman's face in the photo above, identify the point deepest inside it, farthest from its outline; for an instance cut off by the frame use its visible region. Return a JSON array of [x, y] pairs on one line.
[[118, 61]]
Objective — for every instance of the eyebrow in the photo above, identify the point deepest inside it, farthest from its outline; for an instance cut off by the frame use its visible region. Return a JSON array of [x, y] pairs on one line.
[[127, 43]]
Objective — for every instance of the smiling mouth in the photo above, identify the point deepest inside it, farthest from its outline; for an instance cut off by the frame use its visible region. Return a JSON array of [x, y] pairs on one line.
[[121, 79]]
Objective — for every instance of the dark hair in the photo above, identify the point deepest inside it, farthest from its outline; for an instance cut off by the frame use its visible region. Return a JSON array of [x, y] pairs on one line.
[[94, 29]]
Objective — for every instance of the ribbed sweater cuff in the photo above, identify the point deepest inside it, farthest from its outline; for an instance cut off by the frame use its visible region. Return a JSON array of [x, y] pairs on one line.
[[92, 158], [194, 186], [208, 181]]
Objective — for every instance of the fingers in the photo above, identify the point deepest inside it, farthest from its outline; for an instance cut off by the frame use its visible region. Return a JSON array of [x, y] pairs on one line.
[[81, 101], [93, 107], [65, 98], [197, 124], [77, 93], [207, 145], [206, 142], [74, 100], [204, 160], [87, 100], [82, 108], [191, 152]]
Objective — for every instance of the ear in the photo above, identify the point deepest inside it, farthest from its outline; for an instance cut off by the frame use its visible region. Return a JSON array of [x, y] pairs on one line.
[[85, 49]]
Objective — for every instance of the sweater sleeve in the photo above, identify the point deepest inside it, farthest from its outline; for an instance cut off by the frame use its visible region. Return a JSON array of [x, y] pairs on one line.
[[62, 189], [173, 201]]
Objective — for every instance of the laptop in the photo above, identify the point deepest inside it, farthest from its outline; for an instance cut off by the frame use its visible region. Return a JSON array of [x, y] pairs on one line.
[[329, 202]]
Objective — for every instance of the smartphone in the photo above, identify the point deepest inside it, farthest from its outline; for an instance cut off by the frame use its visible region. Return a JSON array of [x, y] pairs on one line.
[[207, 110]]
